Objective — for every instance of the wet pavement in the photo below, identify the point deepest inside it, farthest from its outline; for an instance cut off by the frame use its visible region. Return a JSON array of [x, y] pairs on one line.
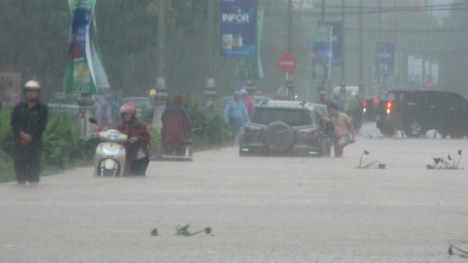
[[260, 209]]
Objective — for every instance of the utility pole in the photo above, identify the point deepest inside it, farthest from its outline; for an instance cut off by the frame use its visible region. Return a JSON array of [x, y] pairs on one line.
[[161, 88], [343, 76], [210, 91], [361, 64], [321, 82], [322, 12], [289, 78], [379, 66]]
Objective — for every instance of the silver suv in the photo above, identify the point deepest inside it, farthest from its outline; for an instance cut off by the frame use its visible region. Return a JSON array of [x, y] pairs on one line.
[[285, 128]]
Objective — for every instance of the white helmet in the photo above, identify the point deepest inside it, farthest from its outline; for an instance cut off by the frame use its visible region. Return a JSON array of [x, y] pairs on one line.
[[32, 85]]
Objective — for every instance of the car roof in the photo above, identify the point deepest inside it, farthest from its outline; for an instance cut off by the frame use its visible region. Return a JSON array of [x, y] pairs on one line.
[[285, 104]]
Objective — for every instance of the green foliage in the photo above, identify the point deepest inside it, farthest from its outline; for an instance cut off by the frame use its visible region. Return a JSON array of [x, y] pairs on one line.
[[6, 133], [6, 166], [6, 147], [59, 141], [211, 129], [155, 142]]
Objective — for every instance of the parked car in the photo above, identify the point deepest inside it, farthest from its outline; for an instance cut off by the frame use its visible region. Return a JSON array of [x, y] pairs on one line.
[[423, 110], [221, 103], [285, 128], [142, 104], [370, 109]]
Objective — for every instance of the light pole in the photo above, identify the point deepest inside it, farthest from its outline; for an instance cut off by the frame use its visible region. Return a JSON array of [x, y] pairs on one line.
[[343, 76], [210, 88], [361, 66], [161, 88], [289, 77]]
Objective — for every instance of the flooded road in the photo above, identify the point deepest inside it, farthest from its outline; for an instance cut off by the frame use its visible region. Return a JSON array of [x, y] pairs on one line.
[[260, 209]]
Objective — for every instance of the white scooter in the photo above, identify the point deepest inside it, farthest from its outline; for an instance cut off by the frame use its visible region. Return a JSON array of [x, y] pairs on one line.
[[110, 157]]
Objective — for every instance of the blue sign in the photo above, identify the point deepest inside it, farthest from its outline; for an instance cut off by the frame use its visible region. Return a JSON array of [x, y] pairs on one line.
[[238, 28], [385, 58], [336, 41]]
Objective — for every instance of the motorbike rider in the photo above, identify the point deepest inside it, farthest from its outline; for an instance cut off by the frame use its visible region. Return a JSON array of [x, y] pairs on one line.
[[137, 147], [352, 106]]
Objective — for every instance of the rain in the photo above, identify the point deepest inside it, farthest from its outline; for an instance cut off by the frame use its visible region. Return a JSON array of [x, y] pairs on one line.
[[270, 189]]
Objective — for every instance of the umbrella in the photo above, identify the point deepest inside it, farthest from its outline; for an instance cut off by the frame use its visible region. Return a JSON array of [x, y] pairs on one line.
[[401, 88]]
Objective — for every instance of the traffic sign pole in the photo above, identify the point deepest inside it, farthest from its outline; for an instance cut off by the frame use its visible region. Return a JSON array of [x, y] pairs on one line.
[[287, 63]]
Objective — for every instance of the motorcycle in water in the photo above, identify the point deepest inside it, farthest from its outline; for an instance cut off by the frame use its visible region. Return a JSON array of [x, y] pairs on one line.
[[110, 156]]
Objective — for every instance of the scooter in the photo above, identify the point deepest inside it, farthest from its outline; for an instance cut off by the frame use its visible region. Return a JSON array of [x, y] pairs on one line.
[[110, 156]]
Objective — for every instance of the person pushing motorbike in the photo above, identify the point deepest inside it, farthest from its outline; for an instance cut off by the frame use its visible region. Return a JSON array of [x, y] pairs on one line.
[[139, 137]]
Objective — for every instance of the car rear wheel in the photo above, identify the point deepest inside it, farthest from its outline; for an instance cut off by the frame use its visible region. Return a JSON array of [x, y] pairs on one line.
[[387, 129], [278, 137], [413, 129]]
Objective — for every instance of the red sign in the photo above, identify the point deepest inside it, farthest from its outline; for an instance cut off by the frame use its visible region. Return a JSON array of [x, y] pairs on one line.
[[287, 62]]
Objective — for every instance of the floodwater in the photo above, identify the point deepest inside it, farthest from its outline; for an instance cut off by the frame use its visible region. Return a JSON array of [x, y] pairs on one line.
[[260, 209]]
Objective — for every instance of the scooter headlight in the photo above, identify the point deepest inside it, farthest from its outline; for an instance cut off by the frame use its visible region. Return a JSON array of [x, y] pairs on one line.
[[109, 152], [113, 136]]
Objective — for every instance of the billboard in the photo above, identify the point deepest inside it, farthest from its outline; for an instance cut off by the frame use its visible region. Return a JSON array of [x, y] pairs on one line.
[[84, 72], [238, 28], [415, 69], [321, 52], [251, 68], [385, 58], [336, 42], [10, 88], [431, 71]]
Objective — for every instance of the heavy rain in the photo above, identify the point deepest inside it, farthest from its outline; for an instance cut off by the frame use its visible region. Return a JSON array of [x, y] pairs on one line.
[[233, 130]]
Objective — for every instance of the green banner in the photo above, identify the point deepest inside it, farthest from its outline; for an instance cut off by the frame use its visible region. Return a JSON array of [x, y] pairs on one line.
[[79, 69], [321, 52], [250, 68]]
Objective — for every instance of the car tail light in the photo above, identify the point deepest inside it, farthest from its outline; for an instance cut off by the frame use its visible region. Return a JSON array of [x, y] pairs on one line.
[[250, 130], [364, 106], [376, 101], [308, 132], [389, 107]]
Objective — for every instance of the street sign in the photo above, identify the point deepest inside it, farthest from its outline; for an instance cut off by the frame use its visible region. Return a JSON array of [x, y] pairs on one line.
[[287, 62]]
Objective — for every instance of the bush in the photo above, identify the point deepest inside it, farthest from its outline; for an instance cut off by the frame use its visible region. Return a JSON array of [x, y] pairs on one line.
[[212, 129], [6, 133]]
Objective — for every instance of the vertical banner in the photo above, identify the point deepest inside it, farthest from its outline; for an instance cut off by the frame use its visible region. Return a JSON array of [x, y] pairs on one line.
[[385, 58], [251, 68], [83, 53], [321, 52], [10, 88], [336, 41], [398, 68], [415, 70], [238, 28]]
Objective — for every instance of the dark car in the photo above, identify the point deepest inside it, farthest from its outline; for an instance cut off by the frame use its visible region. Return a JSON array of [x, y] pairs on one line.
[[423, 110], [285, 128]]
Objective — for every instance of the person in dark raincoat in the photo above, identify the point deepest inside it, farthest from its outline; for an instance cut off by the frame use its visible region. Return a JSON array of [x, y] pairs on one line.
[[177, 126], [137, 148]]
